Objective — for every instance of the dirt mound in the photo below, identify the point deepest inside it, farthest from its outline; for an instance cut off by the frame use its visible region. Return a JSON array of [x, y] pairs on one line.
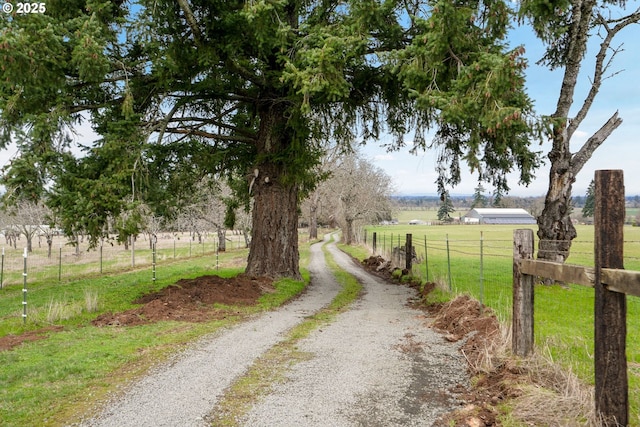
[[191, 300], [380, 267], [465, 318], [464, 315]]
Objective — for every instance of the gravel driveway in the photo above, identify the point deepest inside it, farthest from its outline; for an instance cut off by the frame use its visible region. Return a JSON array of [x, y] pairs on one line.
[[376, 365]]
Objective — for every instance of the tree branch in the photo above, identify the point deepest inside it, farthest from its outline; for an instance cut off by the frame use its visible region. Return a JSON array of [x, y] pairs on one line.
[[191, 20], [579, 159], [579, 30], [210, 135], [600, 67]]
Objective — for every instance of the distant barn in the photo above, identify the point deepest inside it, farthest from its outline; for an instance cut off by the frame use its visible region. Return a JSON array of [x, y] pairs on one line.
[[498, 216]]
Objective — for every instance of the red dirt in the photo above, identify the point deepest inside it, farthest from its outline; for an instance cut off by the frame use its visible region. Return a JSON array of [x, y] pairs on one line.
[[191, 300], [188, 300], [9, 341]]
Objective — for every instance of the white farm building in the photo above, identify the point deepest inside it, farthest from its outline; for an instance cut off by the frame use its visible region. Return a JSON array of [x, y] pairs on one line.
[[498, 216]]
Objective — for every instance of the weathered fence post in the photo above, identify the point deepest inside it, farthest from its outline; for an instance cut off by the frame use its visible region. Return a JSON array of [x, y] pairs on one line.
[[612, 396], [408, 253], [384, 244], [522, 324], [375, 236]]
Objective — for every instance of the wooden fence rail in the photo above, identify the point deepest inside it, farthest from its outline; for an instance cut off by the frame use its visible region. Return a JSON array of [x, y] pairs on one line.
[[611, 284]]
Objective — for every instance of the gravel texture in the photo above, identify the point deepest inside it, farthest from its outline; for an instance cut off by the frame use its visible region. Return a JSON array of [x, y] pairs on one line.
[[376, 365]]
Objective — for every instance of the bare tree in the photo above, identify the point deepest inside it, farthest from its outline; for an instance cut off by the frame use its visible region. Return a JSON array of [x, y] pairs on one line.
[[324, 169], [567, 31], [207, 211], [362, 193], [243, 223], [30, 219], [152, 225]]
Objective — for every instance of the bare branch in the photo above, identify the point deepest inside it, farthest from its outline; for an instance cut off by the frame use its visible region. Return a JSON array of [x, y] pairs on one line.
[[584, 154], [601, 66]]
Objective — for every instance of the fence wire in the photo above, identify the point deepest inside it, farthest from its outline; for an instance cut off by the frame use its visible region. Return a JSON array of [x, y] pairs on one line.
[[66, 261], [481, 267]]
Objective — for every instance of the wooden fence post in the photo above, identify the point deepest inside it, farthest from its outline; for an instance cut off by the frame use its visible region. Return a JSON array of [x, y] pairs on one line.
[[375, 243], [522, 332], [408, 253], [611, 392]]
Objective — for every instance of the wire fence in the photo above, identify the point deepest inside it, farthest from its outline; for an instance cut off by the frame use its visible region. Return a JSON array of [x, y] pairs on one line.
[[65, 261], [479, 266]]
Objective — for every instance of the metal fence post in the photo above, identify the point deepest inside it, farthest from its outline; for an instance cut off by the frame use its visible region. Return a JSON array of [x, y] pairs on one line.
[[153, 262], [2, 270], [481, 268], [449, 263], [24, 288], [426, 258]]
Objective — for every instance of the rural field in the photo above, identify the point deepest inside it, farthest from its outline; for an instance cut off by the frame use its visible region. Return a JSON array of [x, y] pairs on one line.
[[477, 259]]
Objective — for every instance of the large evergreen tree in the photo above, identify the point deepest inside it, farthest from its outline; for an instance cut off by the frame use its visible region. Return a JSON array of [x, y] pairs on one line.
[[179, 90], [589, 207], [479, 198], [446, 208]]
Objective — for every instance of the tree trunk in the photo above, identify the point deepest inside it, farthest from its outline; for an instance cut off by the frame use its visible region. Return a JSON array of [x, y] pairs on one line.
[[313, 216], [349, 232], [274, 242], [245, 234], [222, 239], [555, 229]]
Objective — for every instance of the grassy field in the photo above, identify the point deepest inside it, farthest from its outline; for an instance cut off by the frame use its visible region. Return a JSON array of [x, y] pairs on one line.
[[53, 381], [563, 316]]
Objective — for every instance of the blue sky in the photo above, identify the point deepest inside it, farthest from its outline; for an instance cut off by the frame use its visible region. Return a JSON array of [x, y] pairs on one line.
[[415, 174]]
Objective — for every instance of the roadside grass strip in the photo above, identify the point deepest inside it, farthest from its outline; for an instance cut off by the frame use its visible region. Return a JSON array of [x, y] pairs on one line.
[[270, 368]]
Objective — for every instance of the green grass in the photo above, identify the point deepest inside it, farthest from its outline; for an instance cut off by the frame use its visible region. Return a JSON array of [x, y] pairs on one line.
[[55, 380], [563, 317]]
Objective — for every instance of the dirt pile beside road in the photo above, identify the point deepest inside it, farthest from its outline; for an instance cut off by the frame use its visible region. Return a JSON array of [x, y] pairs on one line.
[[191, 300]]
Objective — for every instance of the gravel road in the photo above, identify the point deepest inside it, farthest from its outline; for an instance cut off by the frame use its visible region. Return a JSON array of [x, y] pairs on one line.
[[376, 365]]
